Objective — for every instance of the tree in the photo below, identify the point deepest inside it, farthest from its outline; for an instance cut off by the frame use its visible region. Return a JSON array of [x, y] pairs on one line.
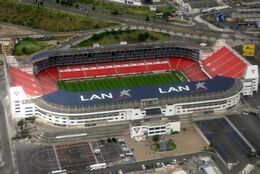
[[93, 8], [21, 123], [57, 1], [156, 138], [115, 12], [147, 18]]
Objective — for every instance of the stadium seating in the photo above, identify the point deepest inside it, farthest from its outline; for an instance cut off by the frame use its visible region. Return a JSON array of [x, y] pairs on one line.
[[224, 62], [29, 83], [47, 78], [179, 63], [100, 72], [194, 72], [131, 69], [72, 74]]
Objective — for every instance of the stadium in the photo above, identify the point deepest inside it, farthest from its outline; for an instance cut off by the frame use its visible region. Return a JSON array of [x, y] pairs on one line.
[[95, 86]]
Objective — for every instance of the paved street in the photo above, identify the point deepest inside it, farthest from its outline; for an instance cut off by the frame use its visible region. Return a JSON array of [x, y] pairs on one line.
[[6, 145]]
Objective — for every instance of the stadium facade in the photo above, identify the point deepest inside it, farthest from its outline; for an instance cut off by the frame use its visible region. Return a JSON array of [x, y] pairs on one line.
[[208, 90]]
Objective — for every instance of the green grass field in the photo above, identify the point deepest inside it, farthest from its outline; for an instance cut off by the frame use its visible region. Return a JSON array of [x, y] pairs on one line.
[[29, 46], [121, 82], [17, 13], [130, 36]]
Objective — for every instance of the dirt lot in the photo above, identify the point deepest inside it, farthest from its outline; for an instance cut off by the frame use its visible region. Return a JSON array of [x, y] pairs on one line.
[[11, 31], [187, 142]]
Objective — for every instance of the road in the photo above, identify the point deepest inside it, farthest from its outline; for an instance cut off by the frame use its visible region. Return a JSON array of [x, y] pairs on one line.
[[6, 144], [136, 20], [152, 163]]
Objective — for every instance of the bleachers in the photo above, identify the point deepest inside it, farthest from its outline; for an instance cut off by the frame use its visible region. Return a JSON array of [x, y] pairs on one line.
[[224, 62], [179, 63], [100, 72], [72, 74], [29, 83], [194, 72], [46, 79], [131, 69]]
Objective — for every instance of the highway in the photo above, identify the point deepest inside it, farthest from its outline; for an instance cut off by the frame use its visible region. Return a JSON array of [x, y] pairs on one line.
[[5, 144], [195, 28]]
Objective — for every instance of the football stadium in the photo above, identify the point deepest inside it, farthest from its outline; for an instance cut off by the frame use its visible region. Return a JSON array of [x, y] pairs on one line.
[[95, 86]]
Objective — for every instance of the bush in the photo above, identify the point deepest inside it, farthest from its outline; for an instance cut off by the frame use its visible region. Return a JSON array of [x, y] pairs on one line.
[[155, 147], [156, 138], [115, 13], [171, 145], [143, 36]]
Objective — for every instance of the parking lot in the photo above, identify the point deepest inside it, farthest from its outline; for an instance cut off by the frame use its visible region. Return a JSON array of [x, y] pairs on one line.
[[112, 150], [78, 157]]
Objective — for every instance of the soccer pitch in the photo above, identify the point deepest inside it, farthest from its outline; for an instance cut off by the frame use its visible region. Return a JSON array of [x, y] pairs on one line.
[[121, 82]]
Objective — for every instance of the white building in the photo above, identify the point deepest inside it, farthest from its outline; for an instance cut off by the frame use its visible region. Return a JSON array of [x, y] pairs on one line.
[[139, 133], [101, 108], [129, 2]]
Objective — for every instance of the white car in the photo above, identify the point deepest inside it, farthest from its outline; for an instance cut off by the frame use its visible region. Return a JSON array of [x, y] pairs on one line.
[[143, 167], [120, 172]]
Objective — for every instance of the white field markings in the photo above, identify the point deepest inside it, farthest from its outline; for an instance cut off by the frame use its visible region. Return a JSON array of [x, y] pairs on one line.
[[55, 152], [90, 144], [75, 149], [44, 159]]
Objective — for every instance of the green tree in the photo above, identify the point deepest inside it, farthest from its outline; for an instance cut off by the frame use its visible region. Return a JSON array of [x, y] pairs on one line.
[[147, 18], [156, 138], [115, 12]]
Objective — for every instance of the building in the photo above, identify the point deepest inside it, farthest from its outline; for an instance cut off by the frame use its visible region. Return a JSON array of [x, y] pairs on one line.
[[139, 133], [129, 2], [5, 46], [215, 84]]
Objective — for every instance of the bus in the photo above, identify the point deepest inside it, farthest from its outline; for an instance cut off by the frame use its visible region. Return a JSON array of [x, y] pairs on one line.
[[59, 171], [98, 166]]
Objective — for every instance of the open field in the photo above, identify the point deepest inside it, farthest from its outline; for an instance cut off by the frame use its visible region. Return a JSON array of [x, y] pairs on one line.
[[118, 82], [127, 9], [29, 46], [130, 36], [46, 19]]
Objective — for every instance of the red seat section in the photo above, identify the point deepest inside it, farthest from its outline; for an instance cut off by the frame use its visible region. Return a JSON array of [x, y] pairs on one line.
[[29, 83], [224, 62], [158, 67], [100, 72], [47, 78], [72, 74], [194, 72], [131, 69], [179, 63]]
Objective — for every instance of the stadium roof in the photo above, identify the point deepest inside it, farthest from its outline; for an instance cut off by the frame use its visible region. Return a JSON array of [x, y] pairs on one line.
[[56, 52], [65, 98]]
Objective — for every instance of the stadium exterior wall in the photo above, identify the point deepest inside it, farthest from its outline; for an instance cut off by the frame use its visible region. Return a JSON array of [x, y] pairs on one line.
[[28, 108]]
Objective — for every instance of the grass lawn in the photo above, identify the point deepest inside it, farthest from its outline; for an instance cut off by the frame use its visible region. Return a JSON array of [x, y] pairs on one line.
[[29, 46], [171, 145], [131, 36], [117, 82], [155, 147], [46, 19], [128, 9]]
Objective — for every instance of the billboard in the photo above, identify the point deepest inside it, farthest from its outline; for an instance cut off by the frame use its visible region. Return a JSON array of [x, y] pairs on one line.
[[248, 50]]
